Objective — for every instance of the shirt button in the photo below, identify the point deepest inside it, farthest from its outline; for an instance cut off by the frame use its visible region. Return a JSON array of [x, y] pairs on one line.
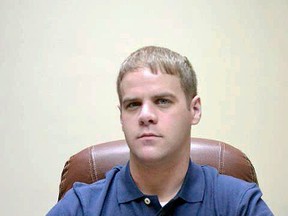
[[147, 201]]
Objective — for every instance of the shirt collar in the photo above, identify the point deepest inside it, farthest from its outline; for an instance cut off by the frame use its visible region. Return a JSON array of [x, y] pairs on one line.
[[127, 190], [192, 189], [193, 186]]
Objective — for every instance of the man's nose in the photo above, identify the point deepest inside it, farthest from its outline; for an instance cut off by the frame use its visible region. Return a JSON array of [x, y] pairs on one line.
[[147, 115]]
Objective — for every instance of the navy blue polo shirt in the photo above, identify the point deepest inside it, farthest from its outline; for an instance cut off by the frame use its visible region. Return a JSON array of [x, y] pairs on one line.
[[204, 192]]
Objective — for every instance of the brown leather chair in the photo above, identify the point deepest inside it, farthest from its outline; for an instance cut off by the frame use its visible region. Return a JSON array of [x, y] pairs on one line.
[[91, 164]]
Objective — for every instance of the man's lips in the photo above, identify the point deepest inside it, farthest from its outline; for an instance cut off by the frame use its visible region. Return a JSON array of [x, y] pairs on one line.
[[148, 135]]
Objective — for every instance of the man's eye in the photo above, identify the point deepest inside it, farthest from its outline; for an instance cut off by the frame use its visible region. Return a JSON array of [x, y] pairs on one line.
[[163, 101], [132, 105]]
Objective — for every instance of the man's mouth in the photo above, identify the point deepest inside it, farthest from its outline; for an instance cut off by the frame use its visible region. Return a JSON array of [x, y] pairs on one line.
[[148, 135]]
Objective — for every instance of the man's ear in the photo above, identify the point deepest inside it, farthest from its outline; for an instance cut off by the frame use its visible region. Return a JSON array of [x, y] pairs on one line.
[[119, 107], [195, 108]]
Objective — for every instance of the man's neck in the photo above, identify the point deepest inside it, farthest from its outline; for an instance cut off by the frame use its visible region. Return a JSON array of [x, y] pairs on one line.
[[163, 180]]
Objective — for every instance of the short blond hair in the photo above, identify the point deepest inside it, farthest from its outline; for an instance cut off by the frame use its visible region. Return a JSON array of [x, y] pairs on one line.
[[164, 60]]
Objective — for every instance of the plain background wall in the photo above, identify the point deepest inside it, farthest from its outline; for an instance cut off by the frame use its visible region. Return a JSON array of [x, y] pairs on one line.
[[59, 61]]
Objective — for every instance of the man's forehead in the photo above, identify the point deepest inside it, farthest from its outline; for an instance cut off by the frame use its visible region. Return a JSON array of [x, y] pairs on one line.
[[155, 94], [149, 85], [148, 69], [147, 73], [140, 78]]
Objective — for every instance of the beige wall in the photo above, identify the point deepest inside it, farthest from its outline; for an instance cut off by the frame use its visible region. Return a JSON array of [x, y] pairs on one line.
[[58, 65]]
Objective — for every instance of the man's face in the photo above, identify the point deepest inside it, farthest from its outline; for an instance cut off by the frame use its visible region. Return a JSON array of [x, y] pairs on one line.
[[155, 117]]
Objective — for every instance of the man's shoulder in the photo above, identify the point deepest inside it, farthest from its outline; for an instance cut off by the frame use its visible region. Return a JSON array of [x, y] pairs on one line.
[[83, 189], [233, 195], [225, 184], [83, 198]]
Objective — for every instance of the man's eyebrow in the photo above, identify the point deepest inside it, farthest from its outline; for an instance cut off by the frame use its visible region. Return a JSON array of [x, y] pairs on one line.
[[164, 95], [129, 99]]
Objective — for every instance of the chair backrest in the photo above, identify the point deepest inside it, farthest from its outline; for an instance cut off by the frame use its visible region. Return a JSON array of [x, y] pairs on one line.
[[91, 164]]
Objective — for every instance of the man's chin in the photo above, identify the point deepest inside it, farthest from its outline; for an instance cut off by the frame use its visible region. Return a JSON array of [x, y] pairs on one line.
[[148, 157], [149, 141]]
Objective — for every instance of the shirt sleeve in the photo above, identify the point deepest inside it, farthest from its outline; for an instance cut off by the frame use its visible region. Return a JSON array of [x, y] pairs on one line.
[[237, 197], [69, 205], [83, 198], [251, 203]]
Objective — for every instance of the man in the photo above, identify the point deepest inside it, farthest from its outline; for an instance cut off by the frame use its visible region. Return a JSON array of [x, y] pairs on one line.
[[157, 91]]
